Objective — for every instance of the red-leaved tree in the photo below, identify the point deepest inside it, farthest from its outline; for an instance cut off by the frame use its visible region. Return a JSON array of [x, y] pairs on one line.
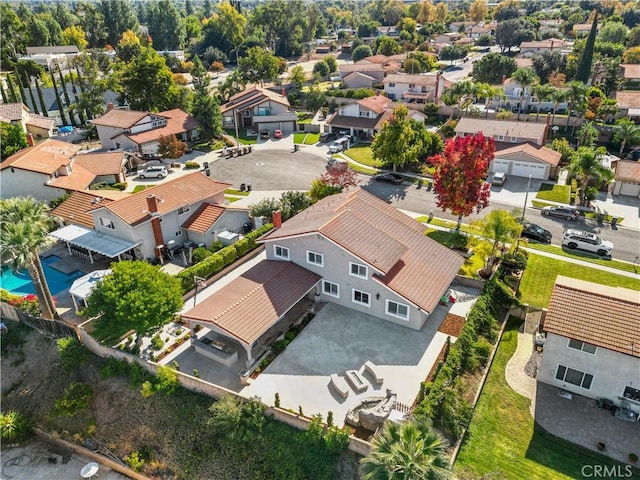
[[461, 170], [340, 175]]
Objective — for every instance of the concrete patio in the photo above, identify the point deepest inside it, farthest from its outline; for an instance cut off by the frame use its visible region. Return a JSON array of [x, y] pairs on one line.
[[340, 339]]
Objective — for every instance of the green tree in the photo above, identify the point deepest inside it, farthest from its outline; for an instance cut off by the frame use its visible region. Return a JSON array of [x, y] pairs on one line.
[[492, 67], [613, 32], [360, 52], [407, 451], [72, 354], [512, 32], [321, 69], [387, 46], [314, 99], [453, 52], [297, 76], [488, 92], [13, 139], [292, 203], [148, 83], [24, 234], [14, 35], [14, 427], [564, 148], [135, 295], [118, 18], [577, 97], [631, 55], [586, 164], [587, 135], [548, 62], [397, 144], [258, 66], [626, 133], [543, 92], [583, 72], [91, 20], [74, 35], [332, 62], [557, 96], [501, 227], [526, 78], [166, 26], [320, 189], [92, 86]]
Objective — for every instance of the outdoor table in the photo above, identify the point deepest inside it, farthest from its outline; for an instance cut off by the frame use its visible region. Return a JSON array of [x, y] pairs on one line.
[[89, 470]]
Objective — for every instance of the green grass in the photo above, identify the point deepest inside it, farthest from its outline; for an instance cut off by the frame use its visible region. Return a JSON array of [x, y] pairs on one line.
[[471, 264], [540, 275], [304, 117], [447, 224], [362, 169], [243, 138], [233, 191], [554, 193], [585, 256], [231, 199], [322, 86], [503, 441], [139, 188], [362, 154], [312, 138], [299, 137]]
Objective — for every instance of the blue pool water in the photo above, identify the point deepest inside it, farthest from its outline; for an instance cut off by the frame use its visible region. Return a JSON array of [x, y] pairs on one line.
[[20, 283]]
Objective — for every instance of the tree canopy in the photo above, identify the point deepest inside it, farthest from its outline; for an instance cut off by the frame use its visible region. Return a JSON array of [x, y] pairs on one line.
[[492, 67], [13, 139], [397, 143]]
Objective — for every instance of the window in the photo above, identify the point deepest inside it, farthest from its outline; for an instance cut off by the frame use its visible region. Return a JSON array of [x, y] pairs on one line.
[[585, 347], [500, 137], [392, 85], [263, 111], [178, 233], [363, 298], [281, 252], [631, 393], [574, 377], [357, 270], [184, 209], [315, 258], [396, 309], [514, 139], [331, 288], [106, 223]]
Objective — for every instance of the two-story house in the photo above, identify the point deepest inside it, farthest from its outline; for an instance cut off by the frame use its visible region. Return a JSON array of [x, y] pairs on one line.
[[541, 46], [363, 117], [51, 56], [18, 114], [421, 88], [359, 75], [259, 109], [514, 95], [141, 131], [505, 131], [352, 249], [593, 341]]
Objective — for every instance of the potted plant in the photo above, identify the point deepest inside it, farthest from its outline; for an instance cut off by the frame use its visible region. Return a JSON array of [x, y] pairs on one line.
[[633, 457]]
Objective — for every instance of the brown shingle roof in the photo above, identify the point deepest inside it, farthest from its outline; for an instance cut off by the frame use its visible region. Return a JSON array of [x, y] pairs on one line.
[[177, 122], [45, 157], [410, 263], [40, 121], [630, 70], [171, 195], [346, 68], [76, 209], [407, 78], [627, 98], [108, 163], [249, 305], [548, 43], [492, 128], [120, 118], [204, 217], [251, 97], [627, 171], [12, 111], [598, 314], [79, 179], [538, 152], [376, 104], [379, 59]]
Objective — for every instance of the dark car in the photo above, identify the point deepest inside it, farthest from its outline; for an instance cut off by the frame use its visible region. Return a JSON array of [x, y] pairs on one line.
[[536, 232], [327, 137], [264, 134], [150, 156], [561, 211], [389, 178]]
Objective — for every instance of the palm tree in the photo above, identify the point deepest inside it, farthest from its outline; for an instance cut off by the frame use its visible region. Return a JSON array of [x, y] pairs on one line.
[[627, 133], [462, 90], [526, 78], [577, 98], [407, 451], [586, 164], [543, 92], [488, 92], [23, 235], [558, 96]]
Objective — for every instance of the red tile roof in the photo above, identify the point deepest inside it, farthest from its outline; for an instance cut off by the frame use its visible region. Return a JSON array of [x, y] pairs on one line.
[[177, 122], [541, 153], [251, 97], [171, 195], [204, 217], [409, 263], [76, 209], [250, 304], [627, 171], [108, 163], [79, 179], [627, 98], [630, 70], [598, 314], [408, 78], [377, 103], [45, 157], [120, 118]]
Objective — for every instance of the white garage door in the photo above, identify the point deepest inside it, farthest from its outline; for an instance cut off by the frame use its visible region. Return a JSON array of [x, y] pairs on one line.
[[286, 127], [501, 166], [524, 169], [631, 189]]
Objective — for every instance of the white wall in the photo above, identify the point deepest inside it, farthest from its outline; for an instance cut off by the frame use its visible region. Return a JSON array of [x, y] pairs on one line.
[[21, 183]]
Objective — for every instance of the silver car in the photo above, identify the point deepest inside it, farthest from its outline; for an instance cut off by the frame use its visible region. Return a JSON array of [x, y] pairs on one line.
[[586, 241]]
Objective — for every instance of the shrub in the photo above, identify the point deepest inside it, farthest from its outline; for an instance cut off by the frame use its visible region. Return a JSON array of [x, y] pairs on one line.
[[200, 254], [290, 335], [279, 346], [242, 247], [329, 418], [147, 389], [28, 303], [122, 186], [76, 398], [483, 349], [229, 255], [135, 461], [512, 263], [276, 402], [336, 439], [114, 367], [215, 246], [14, 427], [72, 353], [314, 432], [157, 342], [191, 165], [167, 379]]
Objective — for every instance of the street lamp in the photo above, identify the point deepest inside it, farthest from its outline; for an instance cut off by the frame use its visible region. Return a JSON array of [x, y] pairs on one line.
[[526, 197], [200, 282]]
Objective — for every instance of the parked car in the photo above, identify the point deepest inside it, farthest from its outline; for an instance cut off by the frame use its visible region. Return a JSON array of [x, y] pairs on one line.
[[394, 178], [327, 137], [339, 145], [536, 232], [150, 156], [264, 134], [586, 241], [561, 211], [499, 178], [153, 172], [277, 134]]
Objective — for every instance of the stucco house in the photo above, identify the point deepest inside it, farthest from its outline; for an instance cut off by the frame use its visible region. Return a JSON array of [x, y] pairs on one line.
[[512, 90], [631, 74], [373, 70], [583, 29], [359, 80], [541, 46], [363, 117], [527, 159], [141, 131], [352, 249], [592, 343], [259, 109], [19, 114], [51, 56], [628, 102], [503, 130], [418, 88], [627, 179]]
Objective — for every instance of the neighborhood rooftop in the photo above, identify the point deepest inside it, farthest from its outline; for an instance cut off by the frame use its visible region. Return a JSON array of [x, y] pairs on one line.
[[45, 157]]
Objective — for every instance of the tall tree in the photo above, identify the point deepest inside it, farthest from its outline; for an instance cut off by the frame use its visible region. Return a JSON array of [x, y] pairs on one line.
[[583, 72], [24, 234], [488, 92], [478, 11], [45, 112], [118, 18], [586, 164], [492, 68], [397, 144], [526, 78], [408, 450], [74, 35], [258, 66], [63, 117], [543, 92], [166, 26], [626, 133], [91, 20], [13, 140], [557, 96], [577, 97], [67, 100], [205, 108], [501, 227], [461, 170]]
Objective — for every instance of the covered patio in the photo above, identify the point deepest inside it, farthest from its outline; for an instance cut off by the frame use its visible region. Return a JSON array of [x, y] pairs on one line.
[[90, 242], [248, 311]]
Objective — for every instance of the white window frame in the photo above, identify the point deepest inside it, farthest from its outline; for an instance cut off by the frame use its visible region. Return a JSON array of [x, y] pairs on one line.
[[310, 254], [326, 283], [359, 265], [358, 302], [283, 250], [184, 209], [398, 304], [582, 379], [581, 347], [107, 223]]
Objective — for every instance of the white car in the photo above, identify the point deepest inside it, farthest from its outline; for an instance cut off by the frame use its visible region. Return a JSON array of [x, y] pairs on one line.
[[339, 145], [586, 241], [499, 178], [153, 172]]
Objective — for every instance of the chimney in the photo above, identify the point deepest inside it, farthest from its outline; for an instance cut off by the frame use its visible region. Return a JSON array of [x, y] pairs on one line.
[[436, 94], [152, 203], [30, 141], [276, 219], [546, 129], [109, 107]]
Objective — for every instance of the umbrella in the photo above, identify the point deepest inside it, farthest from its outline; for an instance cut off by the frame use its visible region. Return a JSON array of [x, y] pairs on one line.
[[66, 129]]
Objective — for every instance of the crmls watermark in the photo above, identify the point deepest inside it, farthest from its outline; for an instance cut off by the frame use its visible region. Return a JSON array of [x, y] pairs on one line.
[[606, 471]]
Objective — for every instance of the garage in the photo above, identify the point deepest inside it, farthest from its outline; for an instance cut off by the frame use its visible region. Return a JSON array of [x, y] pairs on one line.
[[522, 169], [630, 189], [527, 159], [286, 127], [501, 166]]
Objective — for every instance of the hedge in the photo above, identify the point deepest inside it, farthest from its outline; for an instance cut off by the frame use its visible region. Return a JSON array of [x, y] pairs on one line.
[[217, 261]]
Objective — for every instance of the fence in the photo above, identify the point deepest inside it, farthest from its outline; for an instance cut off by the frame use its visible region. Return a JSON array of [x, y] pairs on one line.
[[48, 328]]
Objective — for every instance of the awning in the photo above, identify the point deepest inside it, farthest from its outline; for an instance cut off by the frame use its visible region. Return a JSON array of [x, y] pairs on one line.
[[94, 241], [634, 112], [83, 286]]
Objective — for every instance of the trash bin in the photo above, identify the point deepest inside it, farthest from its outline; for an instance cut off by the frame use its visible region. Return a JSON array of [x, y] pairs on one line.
[[243, 187], [420, 183], [208, 172], [614, 221], [296, 147], [248, 187], [205, 165]]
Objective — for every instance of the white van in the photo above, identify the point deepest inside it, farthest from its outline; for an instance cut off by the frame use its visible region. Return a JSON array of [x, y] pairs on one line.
[[339, 145]]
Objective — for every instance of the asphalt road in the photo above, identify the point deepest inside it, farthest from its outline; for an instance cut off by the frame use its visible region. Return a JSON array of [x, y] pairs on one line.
[[281, 170]]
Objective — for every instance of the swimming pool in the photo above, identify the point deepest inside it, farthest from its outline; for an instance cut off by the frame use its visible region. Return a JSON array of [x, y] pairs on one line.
[[20, 283]]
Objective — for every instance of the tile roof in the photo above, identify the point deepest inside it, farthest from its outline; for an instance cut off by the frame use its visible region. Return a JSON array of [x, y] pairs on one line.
[[492, 128], [178, 121], [627, 98], [346, 68], [12, 111], [353, 75], [79, 179], [45, 157], [77, 207], [119, 118], [627, 171], [204, 217], [548, 43], [598, 314], [379, 59], [377, 103], [251, 97], [538, 152], [107, 163], [524, 62], [53, 49], [409, 263], [406, 78], [188, 189], [250, 304], [630, 70], [40, 121]]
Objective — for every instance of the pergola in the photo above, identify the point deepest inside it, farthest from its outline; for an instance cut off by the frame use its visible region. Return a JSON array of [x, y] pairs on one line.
[[83, 286], [93, 241]]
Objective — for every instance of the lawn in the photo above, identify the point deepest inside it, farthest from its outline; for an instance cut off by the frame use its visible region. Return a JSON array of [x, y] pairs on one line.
[[540, 275], [305, 117], [243, 138], [362, 154], [503, 441], [554, 193], [362, 169], [234, 191], [471, 264], [139, 188], [299, 137], [586, 256], [306, 138]]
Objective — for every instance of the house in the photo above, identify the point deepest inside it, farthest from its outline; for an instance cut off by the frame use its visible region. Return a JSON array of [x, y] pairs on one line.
[[391, 64], [537, 47], [477, 31], [583, 29], [52, 168], [52, 56], [503, 130], [628, 102], [627, 179], [373, 70], [390, 31], [512, 97], [550, 25], [259, 109], [18, 114], [631, 74], [141, 131], [527, 159], [594, 353], [448, 38], [363, 117], [359, 80], [421, 88], [351, 249]]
